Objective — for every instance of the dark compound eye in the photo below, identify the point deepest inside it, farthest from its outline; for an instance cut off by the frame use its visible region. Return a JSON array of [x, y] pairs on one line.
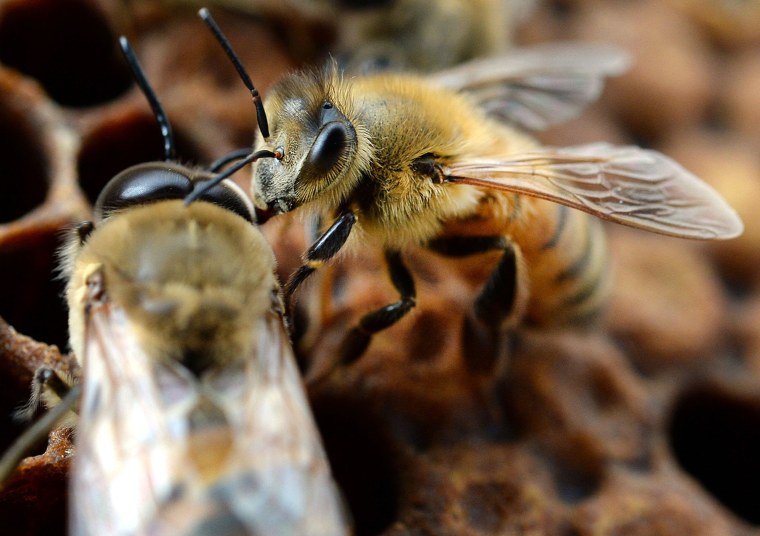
[[229, 197], [144, 183], [328, 147], [159, 181]]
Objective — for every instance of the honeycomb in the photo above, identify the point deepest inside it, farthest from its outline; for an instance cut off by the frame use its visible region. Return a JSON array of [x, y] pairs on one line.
[[647, 424]]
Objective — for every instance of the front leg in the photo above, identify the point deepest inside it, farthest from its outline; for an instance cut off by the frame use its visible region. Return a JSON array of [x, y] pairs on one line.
[[47, 386], [321, 251]]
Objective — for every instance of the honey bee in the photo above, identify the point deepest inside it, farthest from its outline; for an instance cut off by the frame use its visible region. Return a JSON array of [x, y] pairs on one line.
[[400, 161], [422, 35], [404, 34], [193, 417]]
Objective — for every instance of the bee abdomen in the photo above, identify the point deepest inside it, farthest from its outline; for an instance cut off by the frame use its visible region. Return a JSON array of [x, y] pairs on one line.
[[569, 273]]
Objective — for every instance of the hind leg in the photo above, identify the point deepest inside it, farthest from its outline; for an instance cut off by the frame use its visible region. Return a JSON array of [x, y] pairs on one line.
[[499, 303]]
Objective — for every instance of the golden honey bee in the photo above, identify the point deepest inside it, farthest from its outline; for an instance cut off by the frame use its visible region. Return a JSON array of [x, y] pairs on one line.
[[400, 161], [193, 417], [404, 34]]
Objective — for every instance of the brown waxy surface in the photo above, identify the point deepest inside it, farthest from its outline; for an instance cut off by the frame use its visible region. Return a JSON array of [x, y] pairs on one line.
[[646, 424]]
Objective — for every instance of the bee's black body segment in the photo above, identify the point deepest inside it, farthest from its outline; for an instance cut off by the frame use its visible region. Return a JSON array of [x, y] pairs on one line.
[[559, 228]]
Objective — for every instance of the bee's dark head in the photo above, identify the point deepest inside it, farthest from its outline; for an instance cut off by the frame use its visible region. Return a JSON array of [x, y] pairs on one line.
[[162, 181], [310, 127]]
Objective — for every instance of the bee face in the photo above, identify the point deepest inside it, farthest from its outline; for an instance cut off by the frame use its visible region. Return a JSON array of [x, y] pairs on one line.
[[311, 127]]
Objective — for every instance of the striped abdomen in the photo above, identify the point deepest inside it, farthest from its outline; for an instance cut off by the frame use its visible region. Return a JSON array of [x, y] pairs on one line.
[[566, 260]]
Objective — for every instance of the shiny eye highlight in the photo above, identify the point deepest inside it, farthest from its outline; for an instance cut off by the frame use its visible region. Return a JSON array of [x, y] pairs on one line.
[[140, 184]]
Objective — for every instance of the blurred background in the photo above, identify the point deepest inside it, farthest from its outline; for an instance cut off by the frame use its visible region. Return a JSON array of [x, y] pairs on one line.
[[648, 425]]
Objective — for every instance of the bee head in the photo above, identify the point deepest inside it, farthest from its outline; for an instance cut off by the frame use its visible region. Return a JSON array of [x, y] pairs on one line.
[[163, 181], [306, 127], [317, 142]]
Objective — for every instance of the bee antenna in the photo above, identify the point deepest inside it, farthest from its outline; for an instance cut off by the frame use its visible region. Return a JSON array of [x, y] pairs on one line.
[[206, 186], [237, 154], [261, 116], [150, 95]]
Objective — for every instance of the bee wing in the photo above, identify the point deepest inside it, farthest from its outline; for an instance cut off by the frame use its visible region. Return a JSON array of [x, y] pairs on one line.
[[628, 185], [279, 460], [540, 86], [126, 458], [148, 458]]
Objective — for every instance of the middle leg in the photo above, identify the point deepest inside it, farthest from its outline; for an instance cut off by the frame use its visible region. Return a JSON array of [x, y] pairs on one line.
[[356, 341]]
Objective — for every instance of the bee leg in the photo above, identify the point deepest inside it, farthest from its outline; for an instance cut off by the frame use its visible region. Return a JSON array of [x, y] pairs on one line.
[[495, 304], [356, 341], [44, 378], [496, 301], [321, 251]]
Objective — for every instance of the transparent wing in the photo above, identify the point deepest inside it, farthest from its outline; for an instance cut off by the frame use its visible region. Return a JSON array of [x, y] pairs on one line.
[[160, 452], [279, 478], [540, 86], [629, 185], [126, 462]]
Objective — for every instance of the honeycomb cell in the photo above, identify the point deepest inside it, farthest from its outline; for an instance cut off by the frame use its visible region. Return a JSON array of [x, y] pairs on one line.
[[576, 478], [67, 45], [486, 504], [122, 140], [45, 513], [30, 293], [429, 348], [23, 162], [715, 436], [360, 453]]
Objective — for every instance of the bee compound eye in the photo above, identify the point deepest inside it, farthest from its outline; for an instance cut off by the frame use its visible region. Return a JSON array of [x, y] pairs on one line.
[[328, 147], [141, 184], [230, 197]]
